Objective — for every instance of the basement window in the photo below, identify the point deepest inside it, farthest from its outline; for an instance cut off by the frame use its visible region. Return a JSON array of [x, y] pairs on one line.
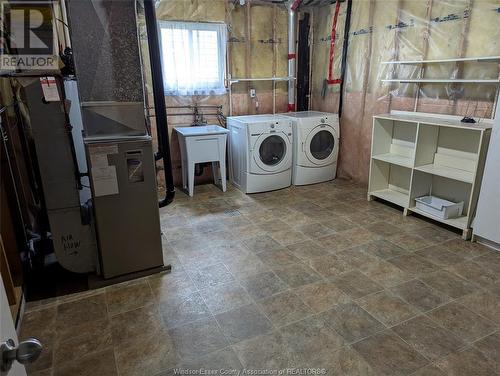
[[193, 57]]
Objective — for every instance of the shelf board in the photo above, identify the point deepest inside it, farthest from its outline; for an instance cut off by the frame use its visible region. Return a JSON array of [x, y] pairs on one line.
[[483, 59], [395, 159], [393, 196], [435, 119], [459, 222], [447, 172]]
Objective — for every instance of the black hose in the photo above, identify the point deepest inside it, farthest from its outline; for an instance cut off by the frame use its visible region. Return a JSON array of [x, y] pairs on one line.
[[347, 29], [159, 101]]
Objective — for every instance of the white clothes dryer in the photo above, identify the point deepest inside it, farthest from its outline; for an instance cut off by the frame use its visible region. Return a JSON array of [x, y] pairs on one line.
[[316, 146]]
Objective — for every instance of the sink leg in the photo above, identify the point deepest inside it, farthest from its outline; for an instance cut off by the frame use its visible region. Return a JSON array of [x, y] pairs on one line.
[[215, 173], [222, 169], [184, 174], [191, 178]]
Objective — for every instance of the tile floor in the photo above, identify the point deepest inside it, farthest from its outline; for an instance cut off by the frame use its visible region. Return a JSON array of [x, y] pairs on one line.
[[306, 277]]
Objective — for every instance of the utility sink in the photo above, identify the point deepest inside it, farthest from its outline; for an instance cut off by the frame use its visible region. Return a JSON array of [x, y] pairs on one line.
[[201, 130], [201, 144]]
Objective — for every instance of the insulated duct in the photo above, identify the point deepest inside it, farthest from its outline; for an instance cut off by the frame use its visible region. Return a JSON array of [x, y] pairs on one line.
[[48, 127]]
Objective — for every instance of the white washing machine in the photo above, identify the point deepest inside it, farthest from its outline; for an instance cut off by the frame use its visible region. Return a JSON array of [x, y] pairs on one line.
[[260, 152], [316, 146]]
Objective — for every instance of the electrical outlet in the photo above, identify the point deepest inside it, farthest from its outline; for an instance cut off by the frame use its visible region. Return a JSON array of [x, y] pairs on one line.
[[253, 94]]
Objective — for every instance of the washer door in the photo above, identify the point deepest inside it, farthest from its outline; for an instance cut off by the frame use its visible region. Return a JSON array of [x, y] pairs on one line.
[[272, 152], [321, 146]]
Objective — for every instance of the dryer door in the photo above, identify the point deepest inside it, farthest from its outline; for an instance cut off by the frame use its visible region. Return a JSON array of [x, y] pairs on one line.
[[321, 145], [272, 153]]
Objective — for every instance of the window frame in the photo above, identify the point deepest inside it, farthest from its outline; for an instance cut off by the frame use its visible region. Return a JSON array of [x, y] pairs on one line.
[[221, 29]]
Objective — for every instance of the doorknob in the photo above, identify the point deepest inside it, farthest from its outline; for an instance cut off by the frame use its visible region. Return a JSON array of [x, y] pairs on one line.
[[27, 352]]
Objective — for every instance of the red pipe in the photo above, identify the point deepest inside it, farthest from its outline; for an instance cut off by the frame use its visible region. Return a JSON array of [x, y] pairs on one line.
[[331, 80], [295, 5]]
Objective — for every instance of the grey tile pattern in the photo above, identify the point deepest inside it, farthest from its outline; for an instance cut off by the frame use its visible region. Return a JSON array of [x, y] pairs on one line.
[[485, 304], [352, 322], [366, 291], [387, 308], [321, 296], [307, 250], [243, 323], [100, 363], [419, 295], [356, 284], [449, 284], [297, 275], [284, 308], [183, 309], [428, 338], [468, 362], [268, 351], [212, 275], [224, 359], [490, 346], [441, 255], [311, 338], [198, 338], [390, 355], [263, 285], [462, 322], [225, 297], [278, 258], [383, 249]]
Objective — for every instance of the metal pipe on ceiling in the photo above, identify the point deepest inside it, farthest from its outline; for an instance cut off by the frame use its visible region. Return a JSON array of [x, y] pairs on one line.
[[191, 114], [191, 106], [304, 3]]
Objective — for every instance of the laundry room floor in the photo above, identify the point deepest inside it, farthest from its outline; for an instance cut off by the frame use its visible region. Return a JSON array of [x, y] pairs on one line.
[[305, 277]]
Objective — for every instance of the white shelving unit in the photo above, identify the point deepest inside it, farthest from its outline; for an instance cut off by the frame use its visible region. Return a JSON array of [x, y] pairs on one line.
[[417, 154], [454, 80]]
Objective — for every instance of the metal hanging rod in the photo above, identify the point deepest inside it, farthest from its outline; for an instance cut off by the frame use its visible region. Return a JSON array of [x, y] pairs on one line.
[[191, 114], [193, 106], [480, 59], [236, 80], [197, 106], [440, 81]]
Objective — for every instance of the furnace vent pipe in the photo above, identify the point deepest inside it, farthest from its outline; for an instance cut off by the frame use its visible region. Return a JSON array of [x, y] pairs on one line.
[[159, 100], [292, 55]]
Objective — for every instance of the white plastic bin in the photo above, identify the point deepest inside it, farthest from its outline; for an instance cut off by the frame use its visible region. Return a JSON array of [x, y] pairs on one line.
[[440, 208]]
